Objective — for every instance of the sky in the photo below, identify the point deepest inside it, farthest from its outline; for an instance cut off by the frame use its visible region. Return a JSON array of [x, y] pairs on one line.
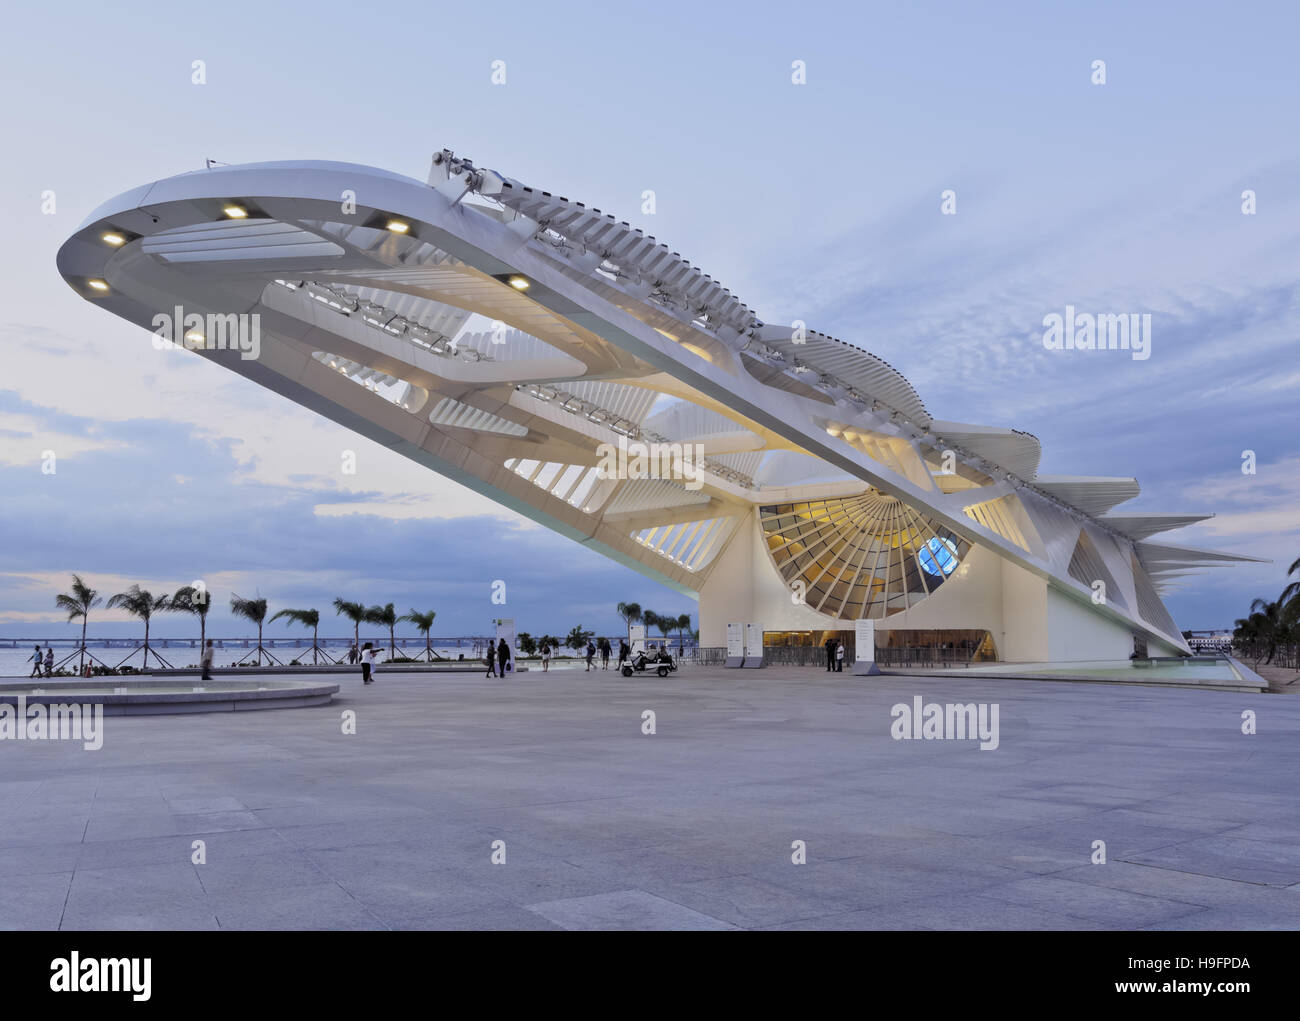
[[820, 201]]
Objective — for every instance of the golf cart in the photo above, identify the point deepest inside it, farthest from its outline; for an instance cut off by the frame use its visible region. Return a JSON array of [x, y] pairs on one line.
[[662, 663]]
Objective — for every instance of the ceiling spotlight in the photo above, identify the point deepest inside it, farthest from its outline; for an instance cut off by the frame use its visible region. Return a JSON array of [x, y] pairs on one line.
[[398, 226], [98, 285], [235, 212], [519, 283], [116, 240]]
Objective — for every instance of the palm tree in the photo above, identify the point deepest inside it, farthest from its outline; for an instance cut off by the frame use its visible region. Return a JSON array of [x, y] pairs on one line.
[[355, 612], [195, 600], [144, 604], [631, 614], [1264, 627], [78, 603], [649, 618], [254, 610], [387, 616], [665, 622], [683, 625], [1293, 590], [307, 618], [424, 624]]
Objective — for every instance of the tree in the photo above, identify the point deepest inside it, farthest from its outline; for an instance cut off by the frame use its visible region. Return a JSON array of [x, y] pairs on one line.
[[1263, 629], [649, 618], [255, 611], [527, 643], [424, 624], [198, 601], [307, 618], [578, 638], [683, 626], [78, 603], [387, 616], [665, 622], [631, 614], [144, 604], [355, 612]]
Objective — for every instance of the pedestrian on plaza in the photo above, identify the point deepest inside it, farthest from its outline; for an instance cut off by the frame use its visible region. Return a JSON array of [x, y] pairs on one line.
[[37, 660], [503, 656], [205, 660], [49, 662], [591, 652], [830, 654], [839, 657], [605, 650], [546, 657], [368, 653]]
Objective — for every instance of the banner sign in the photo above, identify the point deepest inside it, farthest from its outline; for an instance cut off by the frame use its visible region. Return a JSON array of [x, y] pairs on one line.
[[753, 645], [735, 644]]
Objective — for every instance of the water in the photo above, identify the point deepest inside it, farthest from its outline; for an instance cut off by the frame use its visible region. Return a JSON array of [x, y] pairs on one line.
[[1122, 670], [17, 662]]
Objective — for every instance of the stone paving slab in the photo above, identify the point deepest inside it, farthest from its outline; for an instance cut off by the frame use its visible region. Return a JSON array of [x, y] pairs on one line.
[[395, 826]]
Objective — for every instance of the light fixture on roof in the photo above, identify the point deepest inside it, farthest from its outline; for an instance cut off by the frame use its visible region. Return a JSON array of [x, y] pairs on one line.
[[98, 285], [234, 212], [519, 283], [398, 226], [116, 240]]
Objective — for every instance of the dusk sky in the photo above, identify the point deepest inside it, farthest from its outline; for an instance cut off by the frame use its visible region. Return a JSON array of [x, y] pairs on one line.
[[819, 202]]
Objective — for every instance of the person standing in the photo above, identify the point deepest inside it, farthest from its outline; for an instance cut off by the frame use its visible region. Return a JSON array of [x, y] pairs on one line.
[[353, 654], [830, 654], [503, 656], [37, 660], [205, 660], [623, 652], [546, 657], [49, 662], [605, 650], [839, 657], [367, 663]]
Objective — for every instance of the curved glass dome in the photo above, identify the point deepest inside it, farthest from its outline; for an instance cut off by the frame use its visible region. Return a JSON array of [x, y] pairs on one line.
[[861, 556]]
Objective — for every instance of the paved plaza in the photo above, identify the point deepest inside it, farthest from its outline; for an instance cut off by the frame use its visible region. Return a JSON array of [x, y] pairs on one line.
[[395, 826]]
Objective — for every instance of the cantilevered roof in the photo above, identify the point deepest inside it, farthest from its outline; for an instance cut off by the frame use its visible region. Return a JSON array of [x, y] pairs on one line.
[[1092, 494], [1018, 452], [1143, 525]]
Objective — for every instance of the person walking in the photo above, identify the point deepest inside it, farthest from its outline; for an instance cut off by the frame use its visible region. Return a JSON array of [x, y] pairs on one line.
[[839, 657], [503, 656], [605, 650], [37, 660], [490, 658], [546, 657], [623, 652], [205, 660], [367, 663], [591, 652], [49, 662], [353, 654]]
